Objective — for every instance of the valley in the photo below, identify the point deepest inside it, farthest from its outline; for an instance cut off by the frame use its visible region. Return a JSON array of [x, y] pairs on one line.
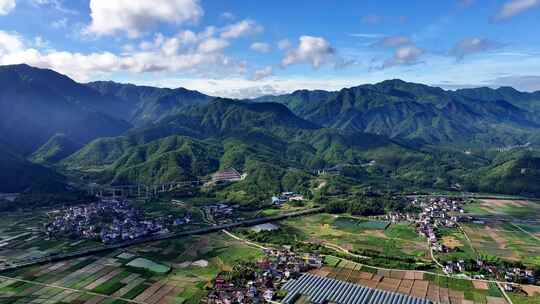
[[269, 152], [188, 198]]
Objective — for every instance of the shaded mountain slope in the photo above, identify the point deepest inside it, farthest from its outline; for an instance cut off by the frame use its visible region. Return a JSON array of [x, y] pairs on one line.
[[19, 175], [149, 104], [55, 149], [36, 104]]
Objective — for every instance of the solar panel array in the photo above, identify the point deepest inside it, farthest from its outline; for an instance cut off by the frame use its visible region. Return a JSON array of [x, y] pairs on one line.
[[320, 290]]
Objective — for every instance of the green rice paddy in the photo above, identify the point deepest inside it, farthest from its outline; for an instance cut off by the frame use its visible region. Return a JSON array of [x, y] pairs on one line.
[[352, 224], [149, 265]]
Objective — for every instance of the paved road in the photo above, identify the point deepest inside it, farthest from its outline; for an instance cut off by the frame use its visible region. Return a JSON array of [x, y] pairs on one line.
[[216, 228]]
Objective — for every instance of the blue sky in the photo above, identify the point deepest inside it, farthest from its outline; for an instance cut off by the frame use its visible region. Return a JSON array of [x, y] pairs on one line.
[[240, 48]]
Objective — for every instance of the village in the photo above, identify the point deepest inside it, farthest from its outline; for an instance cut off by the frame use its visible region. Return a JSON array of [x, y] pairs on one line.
[[260, 282], [440, 213], [109, 221]]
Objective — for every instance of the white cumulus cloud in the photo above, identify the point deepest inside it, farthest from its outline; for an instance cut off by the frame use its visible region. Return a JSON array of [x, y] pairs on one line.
[[6, 6], [316, 51], [393, 41], [212, 45], [515, 7], [284, 44], [405, 55], [201, 56], [260, 47], [241, 29], [112, 16]]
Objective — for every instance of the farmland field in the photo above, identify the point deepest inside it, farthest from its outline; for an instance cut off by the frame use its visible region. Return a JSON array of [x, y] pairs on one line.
[[149, 265], [22, 237], [439, 289], [351, 224], [455, 239], [360, 234], [194, 261], [504, 240], [519, 209], [509, 229]]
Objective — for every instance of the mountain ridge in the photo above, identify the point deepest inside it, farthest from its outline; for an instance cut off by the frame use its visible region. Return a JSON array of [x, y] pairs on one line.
[[418, 135]]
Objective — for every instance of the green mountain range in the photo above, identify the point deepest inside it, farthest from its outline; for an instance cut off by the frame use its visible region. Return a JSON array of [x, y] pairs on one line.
[[20, 175], [36, 104], [423, 114], [145, 104], [55, 149], [394, 135]]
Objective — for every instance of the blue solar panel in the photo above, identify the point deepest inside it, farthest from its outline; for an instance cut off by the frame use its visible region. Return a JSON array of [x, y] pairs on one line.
[[319, 290]]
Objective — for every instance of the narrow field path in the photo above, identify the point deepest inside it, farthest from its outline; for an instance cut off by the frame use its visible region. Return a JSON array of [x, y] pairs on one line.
[[244, 240], [342, 250], [526, 232], [468, 240], [432, 255], [504, 293]]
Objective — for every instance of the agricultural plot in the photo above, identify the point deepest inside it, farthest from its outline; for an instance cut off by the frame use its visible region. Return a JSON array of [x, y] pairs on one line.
[[439, 289], [149, 265], [351, 224], [134, 275], [462, 249], [360, 234], [509, 209], [508, 229], [504, 240], [21, 237]]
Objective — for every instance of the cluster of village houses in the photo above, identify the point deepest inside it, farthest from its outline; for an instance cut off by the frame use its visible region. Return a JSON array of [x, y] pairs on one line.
[[271, 272], [442, 212], [437, 213], [108, 220]]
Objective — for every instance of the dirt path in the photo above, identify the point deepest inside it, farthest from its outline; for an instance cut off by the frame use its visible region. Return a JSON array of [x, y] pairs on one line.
[[504, 293], [468, 239], [342, 250], [432, 255], [526, 232], [244, 240]]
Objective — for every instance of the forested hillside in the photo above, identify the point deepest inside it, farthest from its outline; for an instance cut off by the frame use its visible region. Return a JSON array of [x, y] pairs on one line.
[[392, 135], [469, 118]]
